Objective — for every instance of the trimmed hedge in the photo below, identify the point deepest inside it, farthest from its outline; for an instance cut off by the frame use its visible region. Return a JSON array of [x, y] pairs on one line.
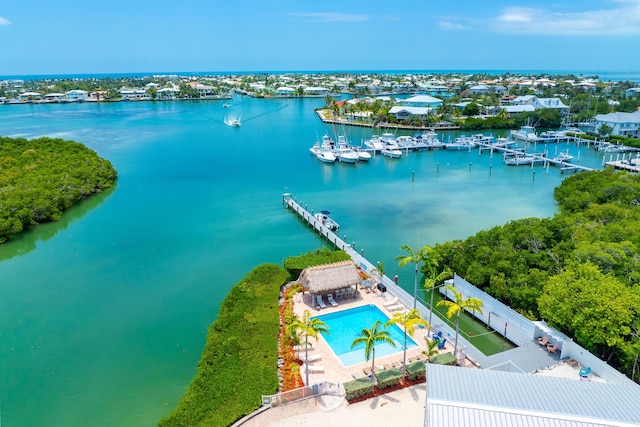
[[296, 264], [415, 371], [358, 388], [239, 361], [444, 359], [388, 378]]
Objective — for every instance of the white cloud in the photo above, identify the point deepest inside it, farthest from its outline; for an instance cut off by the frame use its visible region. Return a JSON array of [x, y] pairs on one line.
[[4, 21], [450, 25], [331, 17], [623, 19]]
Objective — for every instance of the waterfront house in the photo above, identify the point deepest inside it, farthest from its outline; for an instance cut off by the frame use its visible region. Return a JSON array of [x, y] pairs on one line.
[[54, 97], [167, 93], [541, 103], [29, 96], [315, 91], [76, 95], [401, 112], [624, 124], [285, 91], [422, 101]]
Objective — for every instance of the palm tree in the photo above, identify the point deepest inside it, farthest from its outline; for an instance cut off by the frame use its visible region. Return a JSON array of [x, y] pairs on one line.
[[430, 283], [415, 257], [408, 321], [432, 348], [457, 306], [379, 271], [369, 337], [307, 327]]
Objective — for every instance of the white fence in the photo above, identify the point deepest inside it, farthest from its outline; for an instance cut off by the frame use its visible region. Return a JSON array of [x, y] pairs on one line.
[[300, 393]]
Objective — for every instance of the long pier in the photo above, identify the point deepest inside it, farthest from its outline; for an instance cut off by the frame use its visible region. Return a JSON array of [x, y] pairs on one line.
[[536, 158]]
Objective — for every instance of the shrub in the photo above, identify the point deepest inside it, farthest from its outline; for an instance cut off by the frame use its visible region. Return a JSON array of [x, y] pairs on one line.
[[388, 378], [358, 388], [296, 264], [415, 371], [239, 361]]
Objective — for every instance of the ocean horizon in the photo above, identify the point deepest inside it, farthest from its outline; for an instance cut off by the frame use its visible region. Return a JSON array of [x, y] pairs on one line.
[[602, 75]]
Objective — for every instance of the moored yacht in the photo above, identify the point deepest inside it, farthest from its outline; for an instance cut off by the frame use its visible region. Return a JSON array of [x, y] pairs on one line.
[[525, 133]]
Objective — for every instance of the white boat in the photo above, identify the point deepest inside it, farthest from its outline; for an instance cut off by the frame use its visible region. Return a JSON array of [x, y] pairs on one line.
[[564, 156], [460, 143], [503, 142], [553, 136], [520, 159], [233, 122], [525, 133], [374, 143], [390, 152], [405, 142], [343, 152], [480, 138], [323, 216], [326, 157], [363, 155], [428, 140]]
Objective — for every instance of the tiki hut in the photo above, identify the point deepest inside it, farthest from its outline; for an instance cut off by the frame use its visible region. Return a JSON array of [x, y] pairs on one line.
[[328, 278]]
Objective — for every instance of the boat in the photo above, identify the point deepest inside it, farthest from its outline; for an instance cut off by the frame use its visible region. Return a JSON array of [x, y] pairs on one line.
[[525, 133], [553, 136], [480, 138], [326, 156], [374, 143], [503, 142], [327, 221], [233, 122], [405, 142], [391, 152], [461, 143], [324, 150], [428, 140], [520, 159], [564, 157], [363, 155]]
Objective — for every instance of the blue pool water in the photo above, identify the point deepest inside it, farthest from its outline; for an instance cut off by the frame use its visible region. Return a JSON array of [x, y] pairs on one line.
[[345, 326]]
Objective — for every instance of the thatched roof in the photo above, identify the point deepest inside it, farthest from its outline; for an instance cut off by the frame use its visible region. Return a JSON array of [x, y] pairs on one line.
[[329, 277]]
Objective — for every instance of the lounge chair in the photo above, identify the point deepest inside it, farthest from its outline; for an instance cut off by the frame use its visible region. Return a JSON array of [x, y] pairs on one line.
[[302, 347], [320, 302], [395, 307], [391, 302], [356, 375], [442, 343], [313, 358], [543, 340], [438, 336], [585, 372], [315, 369], [331, 300], [552, 348]]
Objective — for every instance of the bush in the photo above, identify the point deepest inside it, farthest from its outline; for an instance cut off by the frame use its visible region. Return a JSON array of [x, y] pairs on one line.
[[358, 388], [415, 371], [296, 264], [239, 361], [388, 378]]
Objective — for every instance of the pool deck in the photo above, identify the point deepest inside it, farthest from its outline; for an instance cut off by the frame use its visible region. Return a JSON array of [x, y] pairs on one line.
[[334, 370]]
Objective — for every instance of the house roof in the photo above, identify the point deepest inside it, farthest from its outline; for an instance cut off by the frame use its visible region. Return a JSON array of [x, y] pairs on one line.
[[513, 109], [329, 277], [423, 99], [411, 110], [619, 117], [464, 396]]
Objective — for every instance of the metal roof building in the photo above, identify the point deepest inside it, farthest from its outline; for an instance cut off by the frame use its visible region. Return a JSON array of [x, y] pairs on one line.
[[476, 397]]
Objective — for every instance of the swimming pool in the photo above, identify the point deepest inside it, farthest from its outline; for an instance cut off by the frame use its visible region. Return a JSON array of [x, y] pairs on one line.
[[345, 326]]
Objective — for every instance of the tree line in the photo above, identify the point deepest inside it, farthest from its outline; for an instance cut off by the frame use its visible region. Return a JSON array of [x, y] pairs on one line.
[[41, 178], [579, 270]]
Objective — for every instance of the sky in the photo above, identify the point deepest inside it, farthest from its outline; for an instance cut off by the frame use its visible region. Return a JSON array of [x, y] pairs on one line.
[[117, 36]]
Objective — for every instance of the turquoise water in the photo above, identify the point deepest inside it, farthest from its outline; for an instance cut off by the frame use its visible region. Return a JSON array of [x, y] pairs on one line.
[[345, 326], [103, 315]]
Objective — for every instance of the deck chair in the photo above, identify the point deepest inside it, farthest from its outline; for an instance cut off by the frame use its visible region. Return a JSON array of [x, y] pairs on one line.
[[320, 302], [438, 336], [442, 343], [543, 340], [331, 300], [390, 302], [315, 369], [552, 348], [584, 372], [312, 358]]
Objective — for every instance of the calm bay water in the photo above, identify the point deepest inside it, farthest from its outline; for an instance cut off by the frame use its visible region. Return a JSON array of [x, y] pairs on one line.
[[103, 315]]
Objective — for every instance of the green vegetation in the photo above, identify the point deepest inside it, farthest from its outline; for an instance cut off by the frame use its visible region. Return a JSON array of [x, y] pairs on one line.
[[239, 361], [318, 257], [358, 388], [416, 370], [408, 322], [388, 378], [369, 337], [41, 178], [578, 270], [457, 306], [305, 328]]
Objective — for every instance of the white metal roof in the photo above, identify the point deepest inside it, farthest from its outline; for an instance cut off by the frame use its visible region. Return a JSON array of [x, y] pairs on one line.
[[477, 397], [619, 117], [423, 99]]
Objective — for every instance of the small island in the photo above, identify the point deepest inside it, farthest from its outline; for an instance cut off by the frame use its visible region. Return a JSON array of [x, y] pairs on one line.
[[41, 178]]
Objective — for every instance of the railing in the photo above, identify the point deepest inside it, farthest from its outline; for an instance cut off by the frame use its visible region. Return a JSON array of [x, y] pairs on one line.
[[301, 393]]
